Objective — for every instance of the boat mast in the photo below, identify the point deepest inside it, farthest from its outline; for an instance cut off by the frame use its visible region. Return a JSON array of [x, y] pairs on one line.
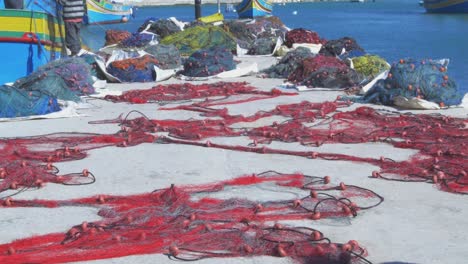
[[219, 6]]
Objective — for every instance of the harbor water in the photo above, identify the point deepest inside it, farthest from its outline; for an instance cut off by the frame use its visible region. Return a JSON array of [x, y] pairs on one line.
[[393, 29]]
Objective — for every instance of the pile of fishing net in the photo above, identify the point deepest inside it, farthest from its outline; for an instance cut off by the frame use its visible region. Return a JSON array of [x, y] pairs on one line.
[[116, 36], [139, 69], [168, 56], [137, 40], [65, 79], [342, 46], [324, 72], [247, 32], [262, 46], [190, 223], [426, 79], [92, 59], [301, 35], [200, 37], [369, 66], [161, 27], [288, 63], [209, 62], [16, 102]]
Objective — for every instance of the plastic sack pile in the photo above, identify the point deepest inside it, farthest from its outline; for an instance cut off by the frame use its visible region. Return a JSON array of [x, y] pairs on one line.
[[426, 79]]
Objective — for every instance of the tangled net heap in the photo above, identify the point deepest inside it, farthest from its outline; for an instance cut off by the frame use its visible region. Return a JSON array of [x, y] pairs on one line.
[[209, 62], [64, 79], [213, 94], [301, 35], [116, 36], [16, 102], [324, 72], [200, 37], [161, 27], [168, 56], [342, 46], [427, 79], [262, 46], [139, 69], [187, 224], [288, 63], [136, 40], [369, 66]]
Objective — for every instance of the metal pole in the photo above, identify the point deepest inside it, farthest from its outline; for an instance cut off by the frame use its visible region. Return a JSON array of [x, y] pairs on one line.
[[219, 6], [197, 9]]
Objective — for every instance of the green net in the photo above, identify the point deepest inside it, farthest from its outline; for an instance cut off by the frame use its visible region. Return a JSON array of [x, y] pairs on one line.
[[369, 66], [200, 37]]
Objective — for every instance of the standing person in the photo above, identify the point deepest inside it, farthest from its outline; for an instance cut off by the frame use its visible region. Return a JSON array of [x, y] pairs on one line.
[[73, 12]]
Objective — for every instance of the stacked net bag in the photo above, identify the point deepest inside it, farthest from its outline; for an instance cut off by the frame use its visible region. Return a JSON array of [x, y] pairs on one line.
[[137, 40], [168, 56], [16, 102], [262, 46], [369, 67], [116, 36], [209, 62], [200, 37], [65, 79], [426, 79], [301, 35], [324, 72], [345, 46], [139, 69], [288, 63]]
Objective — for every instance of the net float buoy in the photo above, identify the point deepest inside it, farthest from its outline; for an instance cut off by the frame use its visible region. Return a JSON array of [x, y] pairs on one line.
[[258, 208], [23, 164], [85, 172], [316, 216], [39, 183], [14, 185], [186, 224], [313, 194], [316, 235], [375, 174], [84, 226], [320, 251], [8, 201], [346, 210], [11, 251], [281, 251], [101, 199], [174, 251], [49, 166], [440, 175], [326, 179], [297, 203], [346, 247], [278, 226], [208, 144], [192, 217], [354, 244], [248, 249], [342, 186], [2, 174]]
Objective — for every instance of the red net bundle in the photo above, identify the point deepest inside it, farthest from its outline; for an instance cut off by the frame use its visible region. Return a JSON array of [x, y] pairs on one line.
[[324, 72], [187, 223], [301, 35], [214, 93], [116, 36]]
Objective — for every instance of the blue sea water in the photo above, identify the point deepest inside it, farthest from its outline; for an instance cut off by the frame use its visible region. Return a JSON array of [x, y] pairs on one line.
[[393, 29]]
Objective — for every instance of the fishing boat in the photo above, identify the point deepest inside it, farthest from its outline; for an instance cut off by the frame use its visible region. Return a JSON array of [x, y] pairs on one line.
[[254, 8], [107, 12], [29, 37], [446, 6]]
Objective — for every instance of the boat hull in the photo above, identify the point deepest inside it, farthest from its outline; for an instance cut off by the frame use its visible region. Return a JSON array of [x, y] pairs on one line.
[[104, 12], [254, 8], [28, 39], [446, 6]]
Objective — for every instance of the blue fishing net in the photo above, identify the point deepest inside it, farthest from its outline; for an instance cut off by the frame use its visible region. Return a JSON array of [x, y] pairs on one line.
[[209, 62], [288, 63], [139, 69], [16, 102], [410, 78], [90, 59], [136, 40], [168, 56], [65, 79]]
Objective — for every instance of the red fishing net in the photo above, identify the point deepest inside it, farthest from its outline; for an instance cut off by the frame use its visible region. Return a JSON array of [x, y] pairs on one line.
[[116, 36], [301, 35], [213, 94], [187, 223]]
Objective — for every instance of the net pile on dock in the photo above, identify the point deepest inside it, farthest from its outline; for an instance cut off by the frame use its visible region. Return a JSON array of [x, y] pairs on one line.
[[288, 63], [65, 79], [340, 46], [409, 78], [187, 223], [324, 72], [219, 93], [16, 102], [302, 35], [160, 27], [136, 40], [209, 62], [200, 37], [139, 69], [262, 46], [114, 36], [369, 66], [168, 56]]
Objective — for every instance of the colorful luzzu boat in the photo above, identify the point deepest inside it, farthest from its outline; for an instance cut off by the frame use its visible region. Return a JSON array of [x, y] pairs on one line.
[[446, 6], [254, 8], [106, 12], [29, 38]]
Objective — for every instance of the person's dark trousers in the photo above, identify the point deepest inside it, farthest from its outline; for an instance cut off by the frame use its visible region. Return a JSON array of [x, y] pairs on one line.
[[72, 37], [14, 4]]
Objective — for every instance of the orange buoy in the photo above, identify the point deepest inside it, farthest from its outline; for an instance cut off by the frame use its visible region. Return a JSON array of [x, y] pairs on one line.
[[8, 201], [346, 247], [174, 251], [314, 155], [342, 186], [316, 235], [297, 203], [316, 216], [85, 172], [375, 174], [281, 251], [326, 179], [313, 194]]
